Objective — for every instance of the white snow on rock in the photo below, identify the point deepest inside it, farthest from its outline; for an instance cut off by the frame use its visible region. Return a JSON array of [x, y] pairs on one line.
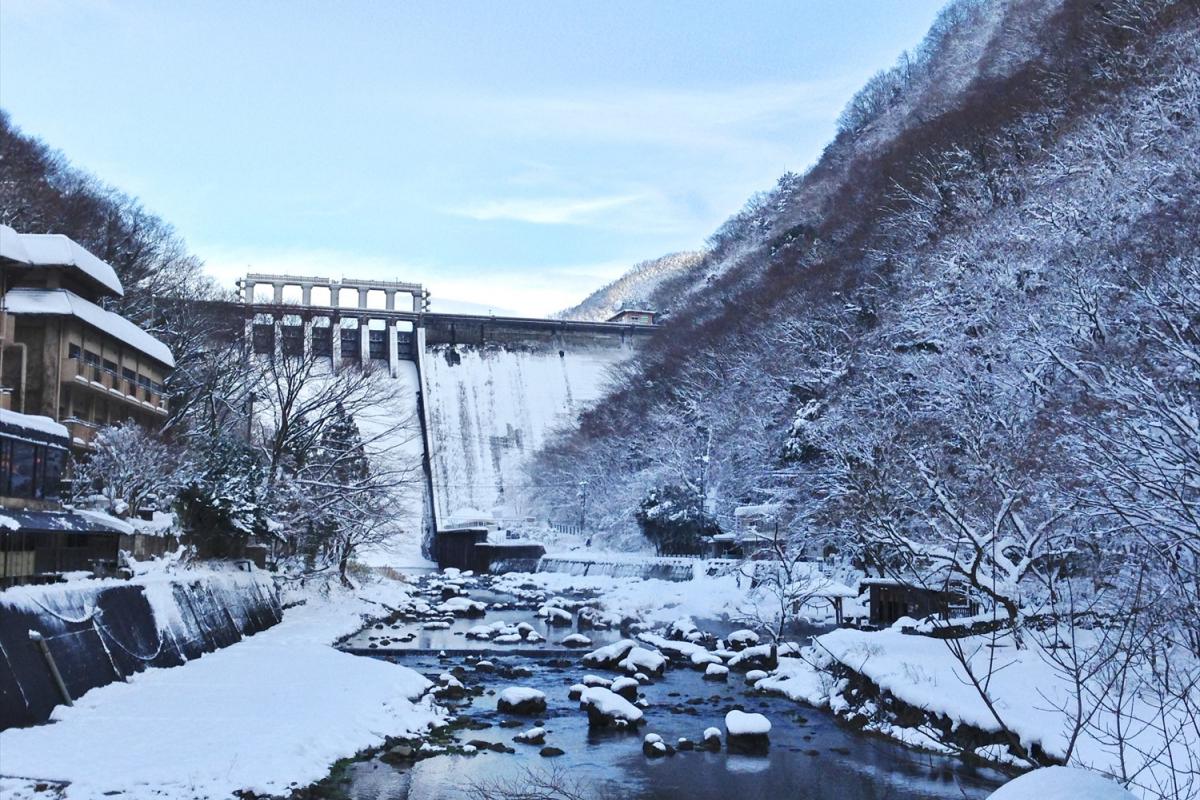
[[462, 605], [742, 638], [520, 694], [712, 733], [639, 659], [1061, 783], [271, 711], [610, 704], [716, 671], [696, 654], [739, 723], [576, 640], [610, 652], [624, 683]]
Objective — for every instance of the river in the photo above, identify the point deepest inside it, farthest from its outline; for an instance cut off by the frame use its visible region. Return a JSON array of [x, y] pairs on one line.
[[812, 755]]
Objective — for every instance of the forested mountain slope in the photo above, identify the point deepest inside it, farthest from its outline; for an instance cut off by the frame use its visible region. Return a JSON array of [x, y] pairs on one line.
[[983, 297], [641, 287]]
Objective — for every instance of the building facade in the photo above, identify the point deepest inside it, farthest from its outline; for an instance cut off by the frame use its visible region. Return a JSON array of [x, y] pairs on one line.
[[39, 540], [633, 316], [64, 356]]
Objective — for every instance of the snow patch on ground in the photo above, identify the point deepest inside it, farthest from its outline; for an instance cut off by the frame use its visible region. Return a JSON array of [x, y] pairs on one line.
[[268, 713], [1061, 783]]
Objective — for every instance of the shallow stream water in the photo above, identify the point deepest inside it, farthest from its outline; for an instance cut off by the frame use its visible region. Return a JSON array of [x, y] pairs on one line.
[[812, 756]]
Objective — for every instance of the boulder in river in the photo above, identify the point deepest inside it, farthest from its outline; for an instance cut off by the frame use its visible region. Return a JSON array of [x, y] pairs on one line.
[[531, 736], [550, 752], [747, 733], [626, 687], [711, 740], [576, 640], [741, 639], [607, 709], [653, 746], [521, 700], [716, 672]]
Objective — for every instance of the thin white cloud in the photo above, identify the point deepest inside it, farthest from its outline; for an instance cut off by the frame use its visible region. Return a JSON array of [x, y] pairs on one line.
[[547, 210], [700, 118]]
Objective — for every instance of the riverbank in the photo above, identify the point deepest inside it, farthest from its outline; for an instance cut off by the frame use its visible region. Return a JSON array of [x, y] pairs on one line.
[[267, 715]]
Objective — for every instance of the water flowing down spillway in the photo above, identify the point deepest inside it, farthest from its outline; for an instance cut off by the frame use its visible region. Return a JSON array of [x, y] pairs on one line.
[[491, 407]]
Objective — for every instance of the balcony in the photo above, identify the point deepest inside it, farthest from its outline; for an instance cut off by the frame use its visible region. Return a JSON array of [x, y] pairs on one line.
[[108, 383]]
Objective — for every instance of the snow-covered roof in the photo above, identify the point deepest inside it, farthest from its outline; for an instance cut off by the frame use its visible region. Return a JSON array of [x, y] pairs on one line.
[[56, 250], [80, 522], [762, 509], [33, 422], [24, 300], [470, 515]]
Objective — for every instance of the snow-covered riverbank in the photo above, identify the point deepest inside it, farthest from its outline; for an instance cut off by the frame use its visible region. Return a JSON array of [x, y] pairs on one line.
[[268, 714]]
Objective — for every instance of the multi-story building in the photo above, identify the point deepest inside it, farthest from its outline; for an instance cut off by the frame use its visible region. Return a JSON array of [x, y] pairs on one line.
[[62, 355]]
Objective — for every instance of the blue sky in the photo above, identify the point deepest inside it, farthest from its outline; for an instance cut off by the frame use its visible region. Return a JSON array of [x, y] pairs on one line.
[[514, 155]]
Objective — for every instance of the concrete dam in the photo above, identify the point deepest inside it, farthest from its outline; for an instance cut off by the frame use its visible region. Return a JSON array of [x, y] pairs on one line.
[[486, 391]]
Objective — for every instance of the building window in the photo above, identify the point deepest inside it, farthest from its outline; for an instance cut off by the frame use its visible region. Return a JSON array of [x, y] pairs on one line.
[[22, 469], [73, 350]]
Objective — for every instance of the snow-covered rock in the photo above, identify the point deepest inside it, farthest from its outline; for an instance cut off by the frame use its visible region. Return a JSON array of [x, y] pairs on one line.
[[556, 617], [531, 736], [521, 700], [606, 708], [576, 640], [716, 672], [755, 675], [463, 607], [639, 659], [747, 732], [741, 639], [711, 739], [654, 747], [1061, 783], [626, 687], [610, 655]]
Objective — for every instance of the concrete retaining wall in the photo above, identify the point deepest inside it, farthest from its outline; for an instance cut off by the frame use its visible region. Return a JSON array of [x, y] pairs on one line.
[[101, 631]]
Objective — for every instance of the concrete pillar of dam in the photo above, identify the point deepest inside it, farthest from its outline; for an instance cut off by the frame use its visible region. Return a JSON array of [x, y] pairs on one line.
[[248, 287], [393, 349], [277, 330], [278, 287], [306, 294], [364, 336], [335, 346], [391, 299], [362, 298], [306, 335]]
